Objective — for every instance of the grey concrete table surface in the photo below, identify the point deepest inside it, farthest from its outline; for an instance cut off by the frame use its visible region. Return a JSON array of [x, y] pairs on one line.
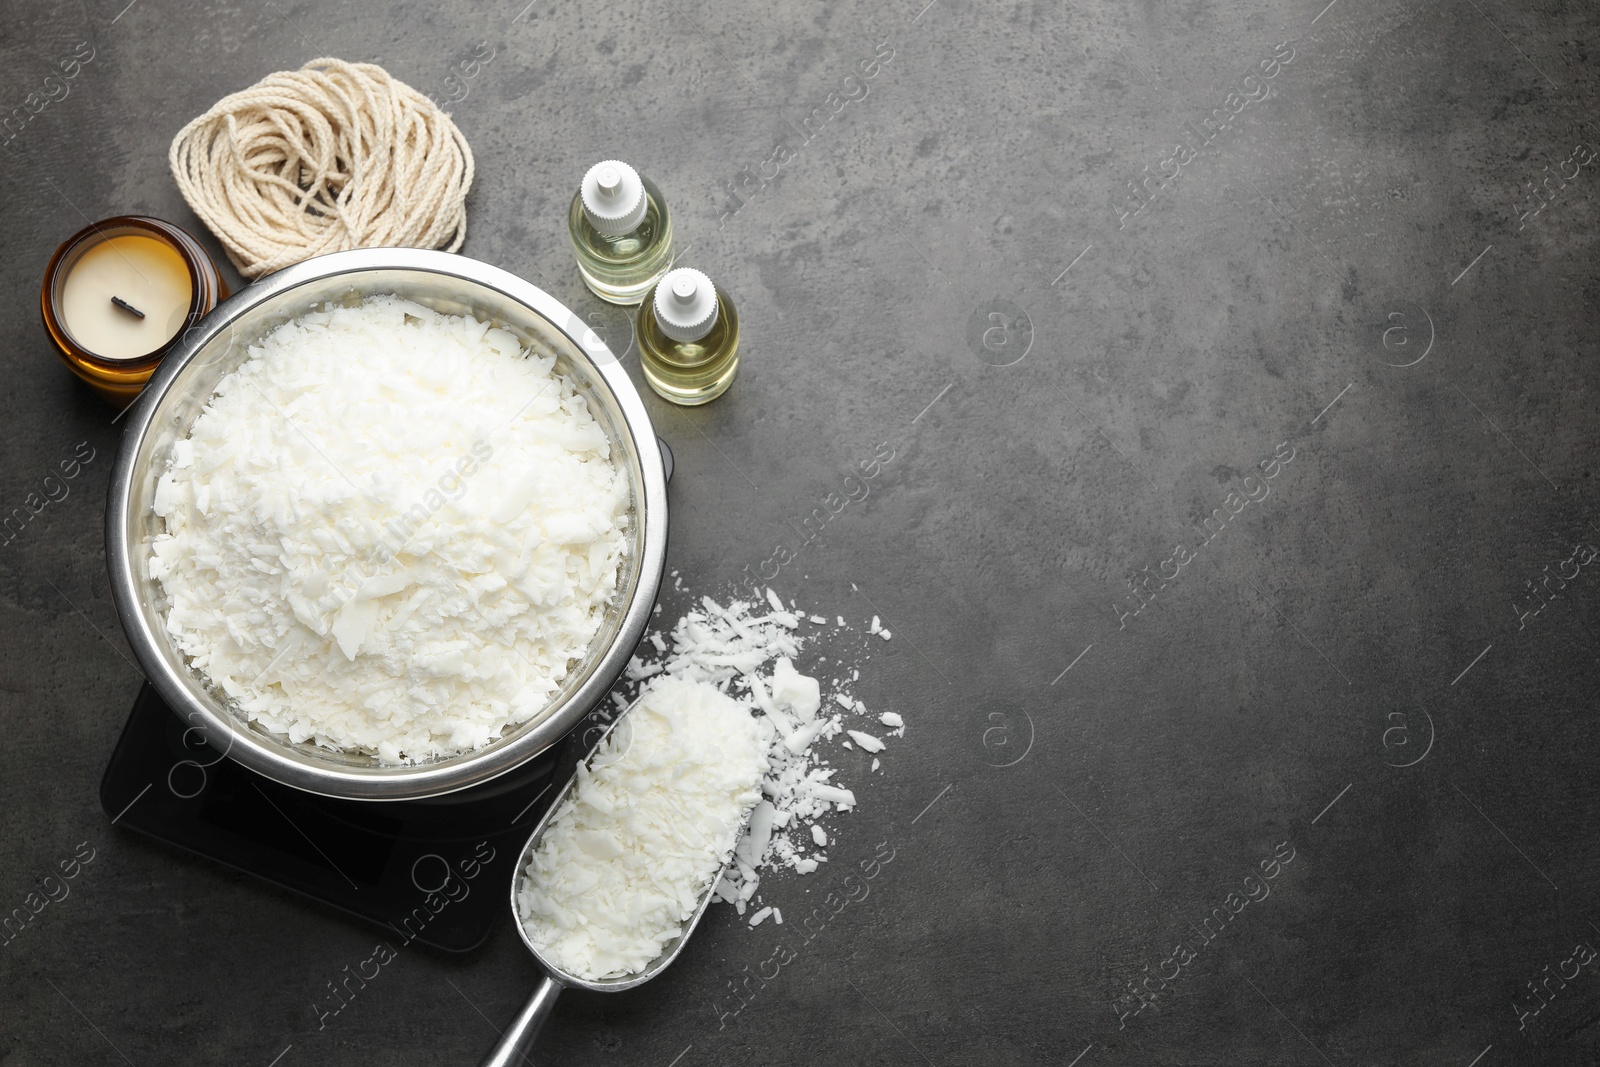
[[1305, 288]]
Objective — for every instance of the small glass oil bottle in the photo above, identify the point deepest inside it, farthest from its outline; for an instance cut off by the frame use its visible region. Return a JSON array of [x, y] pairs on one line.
[[621, 232], [688, 338]]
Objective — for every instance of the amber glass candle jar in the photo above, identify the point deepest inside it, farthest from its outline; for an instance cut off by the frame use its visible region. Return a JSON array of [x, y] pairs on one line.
[[119, 293]]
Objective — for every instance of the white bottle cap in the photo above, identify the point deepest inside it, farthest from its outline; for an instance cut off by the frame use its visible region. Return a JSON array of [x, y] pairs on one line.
[[685, 304], [613, 197]]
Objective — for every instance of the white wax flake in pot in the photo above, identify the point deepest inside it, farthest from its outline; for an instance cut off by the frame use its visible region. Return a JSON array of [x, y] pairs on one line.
[[390, 531], [749, 649], [649, 822]]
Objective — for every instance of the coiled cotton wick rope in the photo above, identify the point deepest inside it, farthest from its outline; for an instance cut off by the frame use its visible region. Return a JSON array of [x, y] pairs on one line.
[[332, 156]]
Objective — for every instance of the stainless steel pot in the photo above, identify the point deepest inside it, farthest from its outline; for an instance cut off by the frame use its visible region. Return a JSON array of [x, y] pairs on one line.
[[450, 284]]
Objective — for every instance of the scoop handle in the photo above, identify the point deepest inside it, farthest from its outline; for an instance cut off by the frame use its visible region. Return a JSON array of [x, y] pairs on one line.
[[518, 1038]]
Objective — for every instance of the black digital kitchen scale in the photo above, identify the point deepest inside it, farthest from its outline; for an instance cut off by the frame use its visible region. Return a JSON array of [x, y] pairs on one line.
[[436, 871]]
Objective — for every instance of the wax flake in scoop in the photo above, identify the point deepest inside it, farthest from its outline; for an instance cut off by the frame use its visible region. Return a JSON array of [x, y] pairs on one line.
[[650, 821], [748, 648]]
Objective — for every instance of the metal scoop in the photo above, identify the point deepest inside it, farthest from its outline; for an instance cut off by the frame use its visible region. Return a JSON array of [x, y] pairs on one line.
[[518, 1038]]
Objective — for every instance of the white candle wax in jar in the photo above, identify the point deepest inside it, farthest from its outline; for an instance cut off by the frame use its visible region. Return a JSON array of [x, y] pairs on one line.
[[126, 296]]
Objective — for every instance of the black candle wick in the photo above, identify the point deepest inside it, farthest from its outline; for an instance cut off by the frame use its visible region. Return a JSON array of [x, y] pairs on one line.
[[125, 306]]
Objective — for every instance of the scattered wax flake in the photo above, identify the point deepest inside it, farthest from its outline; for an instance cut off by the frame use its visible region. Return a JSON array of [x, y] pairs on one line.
[[760, 917], [866, 741], [875, 763], [890, 718], [637, 671], [801, 739], [777, 916], [875, 627], [819, 620], [884, 634], [793, 690], [833, 794], [819, 836]]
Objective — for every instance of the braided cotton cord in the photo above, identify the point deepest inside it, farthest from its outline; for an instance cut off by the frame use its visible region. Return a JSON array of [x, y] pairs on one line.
[[332, 156]]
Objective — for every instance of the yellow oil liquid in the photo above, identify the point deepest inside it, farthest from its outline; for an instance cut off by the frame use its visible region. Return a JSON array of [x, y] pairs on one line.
[[689, 372]]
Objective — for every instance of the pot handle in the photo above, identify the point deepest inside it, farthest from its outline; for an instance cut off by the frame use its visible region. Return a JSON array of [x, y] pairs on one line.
[[518, 1038]]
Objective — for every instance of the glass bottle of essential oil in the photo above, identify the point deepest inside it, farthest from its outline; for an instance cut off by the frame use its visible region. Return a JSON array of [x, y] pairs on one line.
[[621, 232], [688, 338]]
